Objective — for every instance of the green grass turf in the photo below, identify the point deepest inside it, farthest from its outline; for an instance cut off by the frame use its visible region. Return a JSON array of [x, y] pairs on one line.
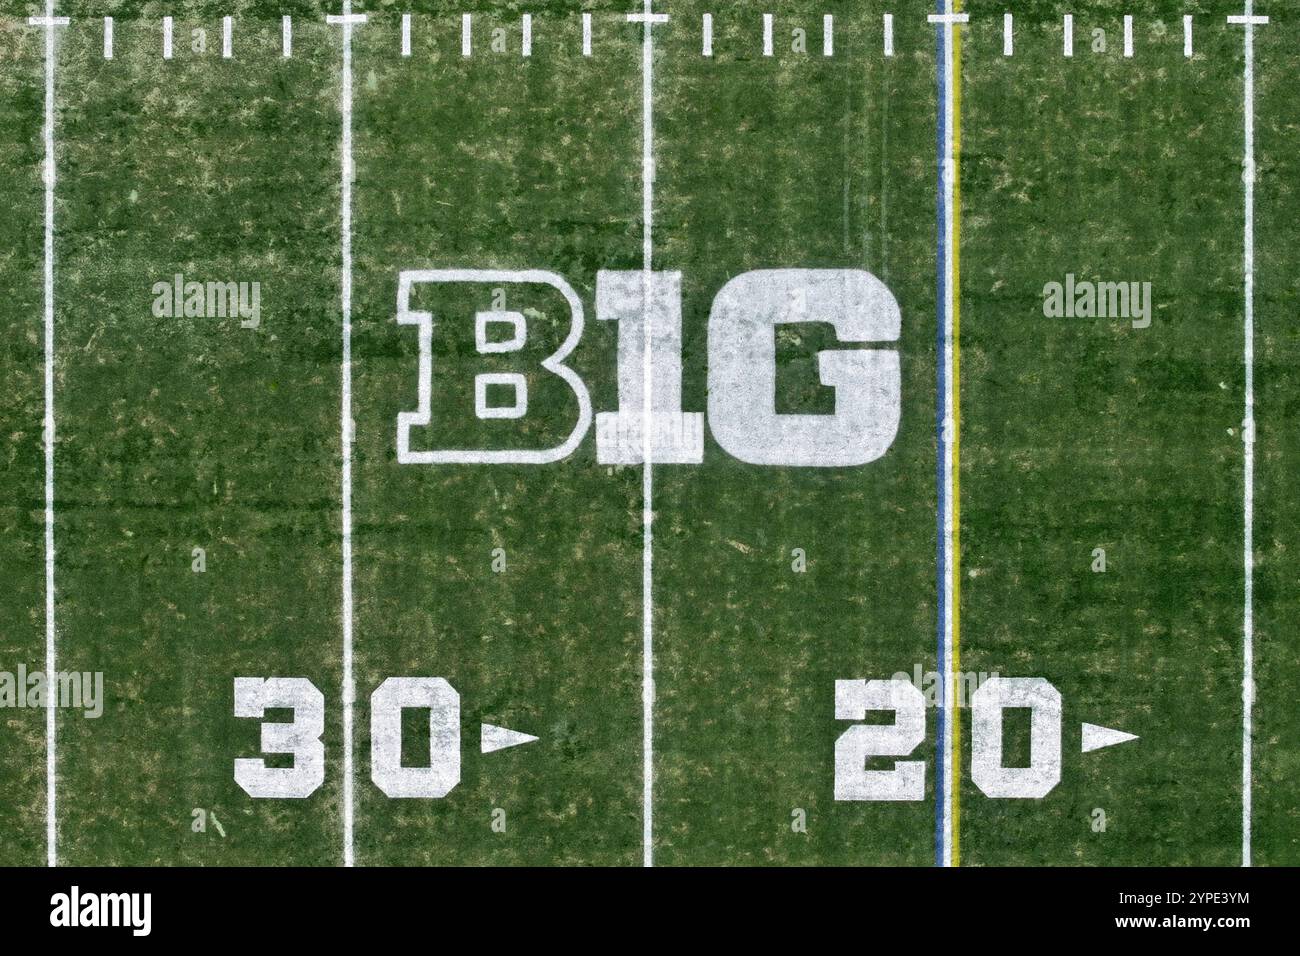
[[1076, 433], [1085, 433], [22, 608], [1277, 524]]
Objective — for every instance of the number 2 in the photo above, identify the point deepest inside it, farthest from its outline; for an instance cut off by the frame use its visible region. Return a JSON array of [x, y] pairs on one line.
[[853, 698]]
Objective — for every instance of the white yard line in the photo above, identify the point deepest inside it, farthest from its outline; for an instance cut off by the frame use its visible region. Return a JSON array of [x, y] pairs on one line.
[[51, 725], [647, 18], [949, 21], [347, 21], [1250, 21], [49, 22], [948, 696]]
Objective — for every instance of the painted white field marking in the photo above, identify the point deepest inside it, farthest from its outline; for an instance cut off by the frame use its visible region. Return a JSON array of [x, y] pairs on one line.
[[1067, 38], [1008, 38], [706, 30], [889, 34], [492, 738], [526, 29], [466, 34], [586, 34], [647, 19], [1128, 35], [950, 21], [49, 22], [167, 38], [286, 36], [108, 38], [226, 41], [1094, 737], [948, 425], [1249, 21], [742, 375], [767, 34], [1187, 35], [406, 34], [553, 363], [828, 35], [348, 20]]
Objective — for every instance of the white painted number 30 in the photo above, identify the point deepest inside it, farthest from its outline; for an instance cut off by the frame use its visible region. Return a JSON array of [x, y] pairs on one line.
[[906, 779], [301, 737]]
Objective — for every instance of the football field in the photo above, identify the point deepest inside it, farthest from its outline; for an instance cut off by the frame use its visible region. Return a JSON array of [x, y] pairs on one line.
[[667, 433]]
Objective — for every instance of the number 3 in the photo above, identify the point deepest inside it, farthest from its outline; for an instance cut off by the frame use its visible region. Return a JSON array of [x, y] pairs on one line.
[[253, 696]]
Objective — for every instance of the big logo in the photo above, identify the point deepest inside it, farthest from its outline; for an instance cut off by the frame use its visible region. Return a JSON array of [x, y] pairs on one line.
[[742, 368]]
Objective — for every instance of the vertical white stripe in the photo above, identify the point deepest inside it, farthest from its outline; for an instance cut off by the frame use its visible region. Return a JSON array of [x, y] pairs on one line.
[[586, 34], [226, 45], [346, 426], [1248, 437], [466, 38], [51, 724], [406, 34], [167, 38], [828, 35], [108, 38], [647, 468], [706, 26], [286, 36], [1068, 39], [1008, 39], [1128, 35], [1187, 35], [949, 425], [889, 34], [767, 34], [526, 46]]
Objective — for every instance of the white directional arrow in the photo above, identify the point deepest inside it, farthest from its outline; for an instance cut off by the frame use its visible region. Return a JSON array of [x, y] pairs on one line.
[[493, 738], [1094, 737]]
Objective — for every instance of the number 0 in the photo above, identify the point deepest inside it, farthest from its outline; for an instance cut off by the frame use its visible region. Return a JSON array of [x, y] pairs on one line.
[[443, 704], [1044, 770]]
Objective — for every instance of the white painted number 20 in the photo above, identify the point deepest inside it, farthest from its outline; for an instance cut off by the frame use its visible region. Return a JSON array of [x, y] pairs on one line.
[[906, 779]]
